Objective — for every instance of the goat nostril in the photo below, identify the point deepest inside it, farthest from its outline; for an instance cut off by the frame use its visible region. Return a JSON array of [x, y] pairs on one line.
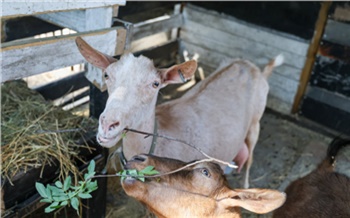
[[139, 158], [111, 127]]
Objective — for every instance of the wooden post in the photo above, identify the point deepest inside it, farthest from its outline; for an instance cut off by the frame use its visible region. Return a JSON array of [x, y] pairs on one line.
[[311, 54]]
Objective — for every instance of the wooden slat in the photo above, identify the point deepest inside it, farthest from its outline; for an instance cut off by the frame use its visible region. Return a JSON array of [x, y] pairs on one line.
[[207, 36], [329, 98], [337, 32], [245, 30], [157, 25], [326, 115], [70, 19], [214, 55], [283, 88], [15, 9], [311, 54], [278, 105], [43, 55]]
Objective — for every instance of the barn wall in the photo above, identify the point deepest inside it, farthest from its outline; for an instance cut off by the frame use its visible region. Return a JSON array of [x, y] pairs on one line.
[[214, 37], [327, 98]]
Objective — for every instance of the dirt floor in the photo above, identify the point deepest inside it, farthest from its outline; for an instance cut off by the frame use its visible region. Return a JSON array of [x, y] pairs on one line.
[[285, 152]]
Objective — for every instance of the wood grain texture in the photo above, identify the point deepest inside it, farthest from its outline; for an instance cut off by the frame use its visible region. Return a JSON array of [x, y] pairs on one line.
[[337, 32], [15, 9], [311, 54], [153, 26], [252, 32], [22, 59]]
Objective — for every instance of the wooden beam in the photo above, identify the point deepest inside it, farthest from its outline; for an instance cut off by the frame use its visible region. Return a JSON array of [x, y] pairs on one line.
[[15, 9], [74, 20], [157, 25], [29, 57], [245, 30], [337, 32], [311, 54]]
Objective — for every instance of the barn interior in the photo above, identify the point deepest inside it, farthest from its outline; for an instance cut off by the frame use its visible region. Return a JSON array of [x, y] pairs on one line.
[[308, 103]]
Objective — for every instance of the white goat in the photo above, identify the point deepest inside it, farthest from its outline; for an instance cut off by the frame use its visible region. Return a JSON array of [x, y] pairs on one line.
[[220, 115]]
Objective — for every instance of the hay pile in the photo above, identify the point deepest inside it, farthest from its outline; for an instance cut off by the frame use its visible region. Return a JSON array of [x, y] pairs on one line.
[[35, 133]]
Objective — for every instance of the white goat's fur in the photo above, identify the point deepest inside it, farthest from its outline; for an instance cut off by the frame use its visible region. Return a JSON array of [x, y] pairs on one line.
[[220, 115]]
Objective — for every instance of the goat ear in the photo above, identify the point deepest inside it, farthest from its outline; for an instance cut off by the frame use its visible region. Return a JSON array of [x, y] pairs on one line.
[[256, 200], [179, 73], [93, 56]]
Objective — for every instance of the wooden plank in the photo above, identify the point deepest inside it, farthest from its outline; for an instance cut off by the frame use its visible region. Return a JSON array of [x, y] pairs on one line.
[[98, 18], [326, 115], [157, 25], [252, 32], [15, 9], [332, 75], [42, 55], [70, 19], [337, 32], [283, 88], [215, 54], [278, 105], [311, 54], [329, 98], [205, 36]]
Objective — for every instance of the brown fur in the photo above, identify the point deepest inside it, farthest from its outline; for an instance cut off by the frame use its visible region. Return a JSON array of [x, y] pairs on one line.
[[321, 194], [200, 190]]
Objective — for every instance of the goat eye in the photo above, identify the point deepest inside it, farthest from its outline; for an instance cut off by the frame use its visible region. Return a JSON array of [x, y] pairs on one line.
[[105, 75], [155, 84], [205, 172]]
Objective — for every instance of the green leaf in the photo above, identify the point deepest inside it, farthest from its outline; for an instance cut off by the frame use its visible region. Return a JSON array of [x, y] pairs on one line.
[[67, 182], [58, 184], [61, 198], [70, 194], [91, 167], [56, 191], [84, 195], [48, 192], [91, 186], [49, 209], [52, 207], [41, 189], [149, 170], [142, 179], [75, 203], [45, 200], [64, 203]]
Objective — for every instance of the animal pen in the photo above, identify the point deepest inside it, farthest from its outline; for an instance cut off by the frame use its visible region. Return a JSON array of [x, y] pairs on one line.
[[308, 101]]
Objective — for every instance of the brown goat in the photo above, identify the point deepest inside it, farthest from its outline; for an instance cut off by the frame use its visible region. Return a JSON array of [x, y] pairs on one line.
[[322, 193], [200, 190]]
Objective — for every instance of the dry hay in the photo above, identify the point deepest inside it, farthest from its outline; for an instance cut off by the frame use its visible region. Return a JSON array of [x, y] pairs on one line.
[[35, 133]]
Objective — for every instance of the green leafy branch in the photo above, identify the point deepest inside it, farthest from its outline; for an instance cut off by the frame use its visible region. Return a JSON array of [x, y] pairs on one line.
[[140, 175], [64, 194]]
